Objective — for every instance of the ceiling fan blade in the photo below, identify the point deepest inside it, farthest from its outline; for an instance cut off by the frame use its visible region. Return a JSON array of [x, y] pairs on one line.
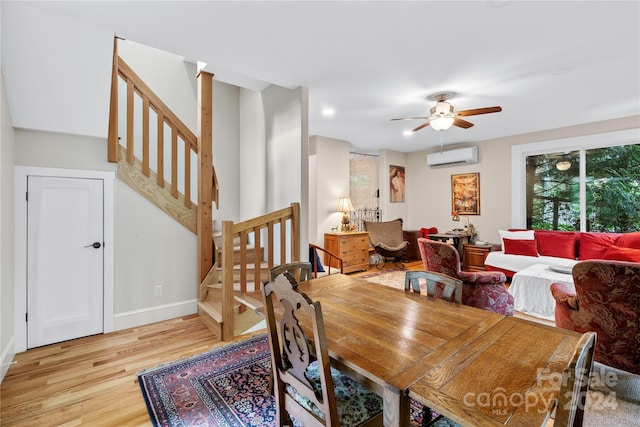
[[461, 123], [412, 118], [478, 111], [422, 126]]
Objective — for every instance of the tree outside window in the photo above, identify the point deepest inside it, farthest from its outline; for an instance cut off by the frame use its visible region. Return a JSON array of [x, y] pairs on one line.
[[611, 179]]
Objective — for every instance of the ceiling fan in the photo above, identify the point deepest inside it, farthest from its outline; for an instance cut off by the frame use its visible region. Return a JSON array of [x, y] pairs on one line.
[[442, 116]]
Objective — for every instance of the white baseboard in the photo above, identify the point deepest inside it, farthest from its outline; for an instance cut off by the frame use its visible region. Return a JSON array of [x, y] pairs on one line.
[[7, 358], [131, 319]]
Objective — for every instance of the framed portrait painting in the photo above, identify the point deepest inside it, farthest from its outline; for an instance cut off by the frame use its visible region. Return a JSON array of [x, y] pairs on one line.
[[465, 193], [396, 184]]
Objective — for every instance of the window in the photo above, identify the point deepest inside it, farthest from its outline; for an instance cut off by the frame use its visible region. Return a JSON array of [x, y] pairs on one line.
[[589, 189], [363, 181]]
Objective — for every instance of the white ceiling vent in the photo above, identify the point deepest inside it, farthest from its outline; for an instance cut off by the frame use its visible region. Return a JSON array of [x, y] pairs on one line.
[[460, 155]]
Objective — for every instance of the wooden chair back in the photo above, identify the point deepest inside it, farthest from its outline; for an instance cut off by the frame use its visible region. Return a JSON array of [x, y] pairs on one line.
[[450, 288], [292, 354], [300, 270], [575, 383]]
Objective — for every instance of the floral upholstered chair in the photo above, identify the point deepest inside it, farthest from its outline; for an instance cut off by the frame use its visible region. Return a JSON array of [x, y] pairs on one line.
[[606, 301], [481, 289]]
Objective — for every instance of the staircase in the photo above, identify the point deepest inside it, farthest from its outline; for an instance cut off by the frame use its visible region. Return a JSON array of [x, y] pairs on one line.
[[232, 264]]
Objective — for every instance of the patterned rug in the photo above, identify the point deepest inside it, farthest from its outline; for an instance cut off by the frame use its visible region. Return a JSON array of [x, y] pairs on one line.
[[224, 387], [393, 278]]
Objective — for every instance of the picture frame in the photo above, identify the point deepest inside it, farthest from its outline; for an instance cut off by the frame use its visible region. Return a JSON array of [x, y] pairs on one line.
[[396, 184], [465, 193]]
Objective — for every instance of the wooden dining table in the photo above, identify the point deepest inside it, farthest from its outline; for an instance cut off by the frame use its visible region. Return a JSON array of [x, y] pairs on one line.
[[509, 376], [402, 345]]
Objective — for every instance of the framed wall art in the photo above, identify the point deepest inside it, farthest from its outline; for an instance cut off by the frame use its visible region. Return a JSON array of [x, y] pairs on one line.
[[465, 193], [396, 184]]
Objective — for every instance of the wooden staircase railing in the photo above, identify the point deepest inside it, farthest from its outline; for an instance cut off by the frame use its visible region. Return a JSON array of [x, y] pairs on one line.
[[224, 281], [151, 181], [223, 291]]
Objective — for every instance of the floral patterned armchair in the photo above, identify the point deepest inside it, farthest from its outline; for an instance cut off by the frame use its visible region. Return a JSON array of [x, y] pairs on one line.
[[606, 301], [481, 289]]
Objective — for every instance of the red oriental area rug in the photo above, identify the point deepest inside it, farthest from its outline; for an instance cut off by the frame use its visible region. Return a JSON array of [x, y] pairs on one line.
[[224, 387]]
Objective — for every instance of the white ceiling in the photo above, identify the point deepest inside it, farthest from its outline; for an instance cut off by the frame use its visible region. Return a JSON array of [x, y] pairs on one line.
[[548, 64]]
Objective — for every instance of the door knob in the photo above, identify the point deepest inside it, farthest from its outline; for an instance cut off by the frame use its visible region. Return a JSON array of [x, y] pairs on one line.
[[95, 245]]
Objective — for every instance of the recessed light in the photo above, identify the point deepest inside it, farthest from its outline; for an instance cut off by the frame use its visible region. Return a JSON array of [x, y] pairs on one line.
[[328, 112], [407, 133]]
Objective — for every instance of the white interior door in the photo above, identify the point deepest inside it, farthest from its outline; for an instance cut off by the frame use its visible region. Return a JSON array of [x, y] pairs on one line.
[[65, 260]]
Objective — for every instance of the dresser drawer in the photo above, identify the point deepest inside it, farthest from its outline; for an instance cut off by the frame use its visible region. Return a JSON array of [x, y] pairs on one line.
[[352, 247]]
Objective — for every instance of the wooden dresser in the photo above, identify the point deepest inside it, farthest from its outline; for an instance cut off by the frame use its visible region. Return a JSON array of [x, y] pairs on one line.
[[352, 247]]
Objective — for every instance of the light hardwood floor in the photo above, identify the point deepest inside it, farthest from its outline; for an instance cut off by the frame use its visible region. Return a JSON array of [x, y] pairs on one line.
[[92, 381]]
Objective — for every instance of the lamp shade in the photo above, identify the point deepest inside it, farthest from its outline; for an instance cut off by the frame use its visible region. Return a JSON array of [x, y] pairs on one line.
[[441, 123], [344, 205]]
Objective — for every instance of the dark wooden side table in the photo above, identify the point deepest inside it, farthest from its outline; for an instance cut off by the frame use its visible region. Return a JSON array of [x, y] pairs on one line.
[[474, 255], [413, 252]]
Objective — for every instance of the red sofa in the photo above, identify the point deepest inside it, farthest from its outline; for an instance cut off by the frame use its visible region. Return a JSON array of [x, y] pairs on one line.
[[562, 248]]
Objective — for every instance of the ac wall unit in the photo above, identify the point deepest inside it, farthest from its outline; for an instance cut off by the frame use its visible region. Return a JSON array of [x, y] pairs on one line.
[[460, 155]]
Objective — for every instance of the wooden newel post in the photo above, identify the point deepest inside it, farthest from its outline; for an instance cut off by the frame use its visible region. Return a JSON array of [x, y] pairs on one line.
[[205, 173]]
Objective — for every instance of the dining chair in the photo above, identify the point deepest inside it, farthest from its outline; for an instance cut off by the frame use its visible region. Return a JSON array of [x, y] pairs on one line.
[[575, 383], [306, 387], [438, 285], [300, 270]]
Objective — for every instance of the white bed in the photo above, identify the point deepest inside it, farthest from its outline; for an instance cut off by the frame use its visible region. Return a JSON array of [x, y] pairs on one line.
[[531, 290]]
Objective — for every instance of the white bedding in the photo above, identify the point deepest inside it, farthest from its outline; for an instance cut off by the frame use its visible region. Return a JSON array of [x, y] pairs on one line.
[[516, 263], [531, 290]]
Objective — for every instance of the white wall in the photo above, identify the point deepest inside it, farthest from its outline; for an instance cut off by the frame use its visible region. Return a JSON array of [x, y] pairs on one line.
[[45, 49], [391, 211], [253, 197], [430, 201], [328, 181], [157, 67], [286, 138], [226, 151], [147, 241], [7, 158]]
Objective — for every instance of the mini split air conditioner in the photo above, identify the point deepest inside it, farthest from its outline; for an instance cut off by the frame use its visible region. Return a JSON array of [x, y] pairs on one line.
[[460, 155]]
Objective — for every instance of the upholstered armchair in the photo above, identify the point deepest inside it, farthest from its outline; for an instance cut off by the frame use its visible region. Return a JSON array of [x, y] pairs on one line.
[[606, 300], [481, 289]]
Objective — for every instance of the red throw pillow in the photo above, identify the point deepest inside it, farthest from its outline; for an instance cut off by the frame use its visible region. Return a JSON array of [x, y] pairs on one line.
[[561, 244], [520, 247], [594, 245], [616, 253], [629, 240]]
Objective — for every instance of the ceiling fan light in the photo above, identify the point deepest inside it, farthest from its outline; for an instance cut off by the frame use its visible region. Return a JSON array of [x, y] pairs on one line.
[[442, 109], [441, 123], [563, 165]]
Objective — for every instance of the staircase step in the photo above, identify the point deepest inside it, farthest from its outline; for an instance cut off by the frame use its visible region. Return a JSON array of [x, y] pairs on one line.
[[252, 300], [211, 309]]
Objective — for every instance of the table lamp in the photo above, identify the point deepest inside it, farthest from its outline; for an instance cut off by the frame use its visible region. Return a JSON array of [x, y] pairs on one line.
[[345, 206]]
